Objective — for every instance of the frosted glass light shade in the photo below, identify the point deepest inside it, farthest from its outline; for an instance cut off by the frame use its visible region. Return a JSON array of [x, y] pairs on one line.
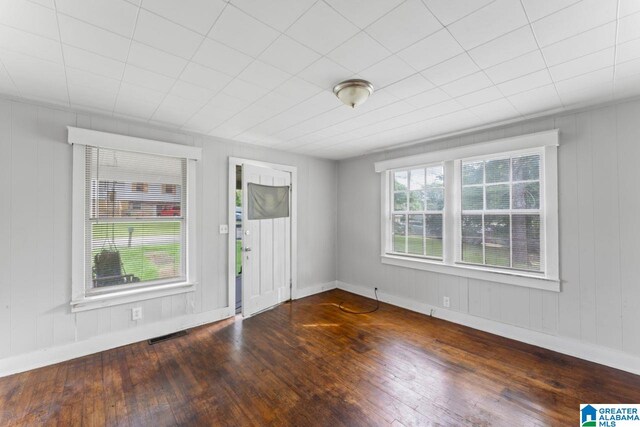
[[353, 92]]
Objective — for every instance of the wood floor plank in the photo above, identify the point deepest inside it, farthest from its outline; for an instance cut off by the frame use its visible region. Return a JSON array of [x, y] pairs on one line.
[[308, 363]]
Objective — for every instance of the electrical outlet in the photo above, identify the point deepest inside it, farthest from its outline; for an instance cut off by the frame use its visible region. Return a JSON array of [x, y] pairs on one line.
[[224, 229], [446, 302], [136, 313]]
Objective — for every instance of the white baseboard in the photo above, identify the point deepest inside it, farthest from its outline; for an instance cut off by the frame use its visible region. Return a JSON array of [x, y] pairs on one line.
[[587, 351], [314, 289], [50, 356]]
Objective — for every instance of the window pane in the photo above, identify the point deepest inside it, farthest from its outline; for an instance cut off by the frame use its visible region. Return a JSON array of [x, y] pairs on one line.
[[435, 199], [126, 184], [400, 201], [472, 239], [433, 233], [526, 168], [435, 176], [526, 195], [416, 200], [526, 242], [472, 173], [498, 196], [125, 253], [497, 238], [400, 180], [497, 170], [415, 238], [417, 179], [399, 233], [472, 198]]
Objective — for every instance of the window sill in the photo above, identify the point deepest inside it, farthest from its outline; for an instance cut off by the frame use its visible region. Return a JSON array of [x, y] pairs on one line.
[[129, 295], [507, 277]]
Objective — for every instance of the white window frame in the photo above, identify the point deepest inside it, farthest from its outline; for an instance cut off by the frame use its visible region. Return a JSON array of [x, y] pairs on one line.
[[82, 298], [389, 248], [545, 143]]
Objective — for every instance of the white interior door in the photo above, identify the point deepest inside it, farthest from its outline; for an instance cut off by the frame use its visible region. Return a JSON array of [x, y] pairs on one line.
[[266, 248]]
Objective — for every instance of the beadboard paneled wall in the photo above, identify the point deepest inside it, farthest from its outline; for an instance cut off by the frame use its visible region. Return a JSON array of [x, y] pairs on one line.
[[35, 228], [599, 191]]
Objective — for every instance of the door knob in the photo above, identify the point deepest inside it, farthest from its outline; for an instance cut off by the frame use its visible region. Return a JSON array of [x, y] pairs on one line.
[[247, 249]]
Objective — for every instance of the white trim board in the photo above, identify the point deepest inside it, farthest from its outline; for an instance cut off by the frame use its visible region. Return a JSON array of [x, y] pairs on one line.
[[307, 291], [49, 356], [593, 353], [115, 141]]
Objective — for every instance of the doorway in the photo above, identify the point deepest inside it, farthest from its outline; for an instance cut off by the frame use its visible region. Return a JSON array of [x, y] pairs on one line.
[[237, 230], [262, 250]]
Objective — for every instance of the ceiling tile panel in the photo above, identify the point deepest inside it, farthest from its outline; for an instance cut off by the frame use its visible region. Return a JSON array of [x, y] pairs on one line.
[[482, 26], [92, 62], [448, 11], [89, 37], [506, 47], [404, 25], [322, 28], [30, 17], [117, 16], [582, 44], [387, 71], [219, 57], [240, 31], [451, 69], [359, 52], [279, 14], [525, 64], [164, 35], [432, 50], [30, 44], [204, 77], [197, 15], [573, 20], [289, 55], [155, 60], [325, 73]]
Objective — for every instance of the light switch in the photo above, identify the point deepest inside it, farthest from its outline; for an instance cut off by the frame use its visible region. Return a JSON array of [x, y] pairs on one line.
[[224, 229]]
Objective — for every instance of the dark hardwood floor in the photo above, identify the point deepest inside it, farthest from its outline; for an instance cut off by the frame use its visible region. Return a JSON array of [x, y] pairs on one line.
[[307, 363]]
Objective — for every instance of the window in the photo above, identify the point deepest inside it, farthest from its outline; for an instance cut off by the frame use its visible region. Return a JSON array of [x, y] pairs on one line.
[[132, 238], [169, 188], [130, 242], [141, 187], [487, 211], [502, 212], [418, 203]]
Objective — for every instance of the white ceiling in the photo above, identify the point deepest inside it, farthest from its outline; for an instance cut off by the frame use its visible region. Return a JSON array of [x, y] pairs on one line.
[[261, 71]]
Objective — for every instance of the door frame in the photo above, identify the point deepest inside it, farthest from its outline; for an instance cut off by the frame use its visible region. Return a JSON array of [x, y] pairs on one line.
[[231, 203]]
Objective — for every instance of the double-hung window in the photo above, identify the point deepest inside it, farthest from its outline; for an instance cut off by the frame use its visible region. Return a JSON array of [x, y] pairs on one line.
[[486, 211], [501, 211], [132, 238], [418, 204]]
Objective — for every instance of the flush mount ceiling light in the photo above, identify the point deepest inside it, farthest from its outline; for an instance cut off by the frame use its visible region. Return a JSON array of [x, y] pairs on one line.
[[353, 92]]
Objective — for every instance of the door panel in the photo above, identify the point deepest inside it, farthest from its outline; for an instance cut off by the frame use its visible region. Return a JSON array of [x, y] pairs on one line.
[[266, 255]]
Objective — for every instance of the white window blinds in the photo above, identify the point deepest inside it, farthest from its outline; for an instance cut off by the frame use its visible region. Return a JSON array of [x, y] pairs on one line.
[[135, 218], [502, 217]]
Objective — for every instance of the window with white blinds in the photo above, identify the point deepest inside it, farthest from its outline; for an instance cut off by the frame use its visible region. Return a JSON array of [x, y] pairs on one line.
[[501, 212], [135, 222], [485, 211]]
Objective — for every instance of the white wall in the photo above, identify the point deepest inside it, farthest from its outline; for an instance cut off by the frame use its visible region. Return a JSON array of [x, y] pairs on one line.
[[599, 191], [35, 234]]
